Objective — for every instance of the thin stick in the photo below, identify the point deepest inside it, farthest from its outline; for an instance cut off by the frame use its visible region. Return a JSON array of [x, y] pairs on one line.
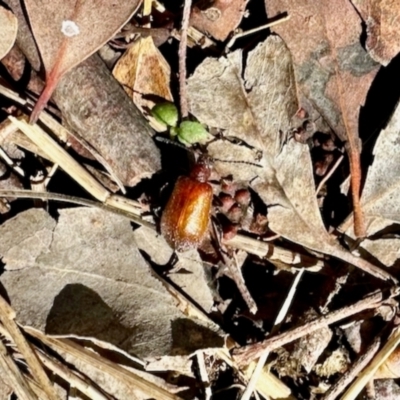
[[7, 316], [182, 59], [283, 18], [246, 354], [329, 174], [29, 194], [263, 358]]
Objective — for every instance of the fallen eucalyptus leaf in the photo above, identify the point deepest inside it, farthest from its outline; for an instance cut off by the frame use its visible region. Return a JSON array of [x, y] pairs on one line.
[[333, 71], [68, 32]]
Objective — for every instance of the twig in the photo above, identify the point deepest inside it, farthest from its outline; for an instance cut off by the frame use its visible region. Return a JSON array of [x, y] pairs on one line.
[[276, 21], [355, 369], [182, 59], [248, 353], [329, 174], [236, 274], [29, 194], [7, 316], [278, 321], [13, 376]]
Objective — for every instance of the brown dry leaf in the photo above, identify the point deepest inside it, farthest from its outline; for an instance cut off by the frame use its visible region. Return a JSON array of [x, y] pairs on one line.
[[383, 27], [258, 110], [8, 31], [332, 69], [218, 18], [91, 281], [144, 74], [381, 194], [68, 32]]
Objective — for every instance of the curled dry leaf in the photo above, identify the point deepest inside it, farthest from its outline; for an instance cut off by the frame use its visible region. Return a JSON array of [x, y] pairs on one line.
[[90, 280], [218, 18], [8, 30], [381, 194], [145, 75], [67, 32], [258, 110], [383, 28], [332, 70]]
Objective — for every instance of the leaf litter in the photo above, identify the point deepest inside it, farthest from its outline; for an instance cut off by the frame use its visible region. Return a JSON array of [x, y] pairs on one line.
[[91, 277]]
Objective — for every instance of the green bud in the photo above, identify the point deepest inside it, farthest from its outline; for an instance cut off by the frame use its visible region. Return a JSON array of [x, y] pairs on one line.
[[166, 114], [191, 132]]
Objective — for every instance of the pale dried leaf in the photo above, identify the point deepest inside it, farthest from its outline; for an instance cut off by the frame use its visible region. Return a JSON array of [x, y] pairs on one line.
[[258, 111], [144, 74], [383, 28], [189, 273], [94, 283], [8, 31], [31, 235]]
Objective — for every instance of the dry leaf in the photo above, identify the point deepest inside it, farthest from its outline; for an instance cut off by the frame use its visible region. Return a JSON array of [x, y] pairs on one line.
[[332, 69], [383, 27], [218, 18], [258, 111], [381, 194], [67, 32], [189, 273], [144, 74], [8, 31], [91, 281]]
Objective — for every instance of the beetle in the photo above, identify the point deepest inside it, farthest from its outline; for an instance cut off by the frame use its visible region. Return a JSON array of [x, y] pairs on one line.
[[184, 221]]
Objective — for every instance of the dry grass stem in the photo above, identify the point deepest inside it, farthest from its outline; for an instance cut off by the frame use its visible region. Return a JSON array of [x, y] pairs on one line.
[[102, 364], [7, 319], [13, 376]]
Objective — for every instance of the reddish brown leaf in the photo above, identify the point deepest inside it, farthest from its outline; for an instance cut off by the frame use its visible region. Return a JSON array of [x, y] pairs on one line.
[[67, 32], [218, 19], [383, 27], [332, 69]]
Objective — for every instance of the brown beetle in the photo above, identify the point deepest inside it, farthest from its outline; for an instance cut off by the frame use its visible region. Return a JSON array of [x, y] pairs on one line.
[[185, 219]]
